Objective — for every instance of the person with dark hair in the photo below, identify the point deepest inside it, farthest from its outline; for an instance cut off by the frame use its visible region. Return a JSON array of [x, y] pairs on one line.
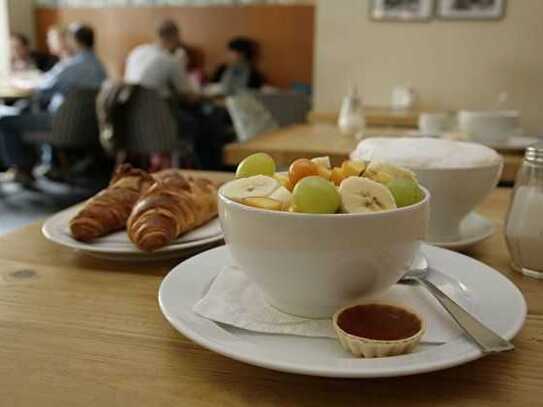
[[81, 70], [239, 72], [23, 58]]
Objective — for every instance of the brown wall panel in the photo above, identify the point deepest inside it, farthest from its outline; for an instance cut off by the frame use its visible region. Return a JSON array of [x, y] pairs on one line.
[[285, 33]]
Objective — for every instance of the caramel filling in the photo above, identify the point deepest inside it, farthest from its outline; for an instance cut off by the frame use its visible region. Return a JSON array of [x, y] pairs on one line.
[[379, 322]]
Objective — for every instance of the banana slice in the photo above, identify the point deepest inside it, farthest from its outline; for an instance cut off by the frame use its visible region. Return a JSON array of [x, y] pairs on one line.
[[322, 161], [362, 195], [256, 186], [282, 195], [383, 173], [353, 168], [263, 203]]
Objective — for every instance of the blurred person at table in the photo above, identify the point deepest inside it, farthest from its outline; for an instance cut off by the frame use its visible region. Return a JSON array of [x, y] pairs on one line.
[[160, 65], [59, 50], [81, 70], [24, 59], [239, 72], [58, 42]]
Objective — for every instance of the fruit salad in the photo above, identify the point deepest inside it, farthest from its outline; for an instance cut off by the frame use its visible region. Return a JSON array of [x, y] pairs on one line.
[[314, 186]]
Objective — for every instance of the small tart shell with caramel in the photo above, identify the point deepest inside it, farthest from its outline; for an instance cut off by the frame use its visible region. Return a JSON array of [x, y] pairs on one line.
[[378, 330]]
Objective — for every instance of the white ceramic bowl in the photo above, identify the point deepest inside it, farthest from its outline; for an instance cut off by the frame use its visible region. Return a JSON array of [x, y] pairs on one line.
[[490, 127], [455, 193], [312, 265]]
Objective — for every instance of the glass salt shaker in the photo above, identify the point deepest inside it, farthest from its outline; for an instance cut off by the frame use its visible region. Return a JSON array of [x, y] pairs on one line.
[[524, 221]]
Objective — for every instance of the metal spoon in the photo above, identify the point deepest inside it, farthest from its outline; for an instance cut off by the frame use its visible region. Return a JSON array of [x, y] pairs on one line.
[[487, 340]]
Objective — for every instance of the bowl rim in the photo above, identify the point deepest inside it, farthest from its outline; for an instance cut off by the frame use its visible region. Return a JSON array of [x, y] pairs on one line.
[[499, 162], [410, 208]]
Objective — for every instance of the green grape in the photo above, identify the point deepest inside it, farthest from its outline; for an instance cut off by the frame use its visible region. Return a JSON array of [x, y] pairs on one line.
[[314, 194], [405, 191], [256, 164]]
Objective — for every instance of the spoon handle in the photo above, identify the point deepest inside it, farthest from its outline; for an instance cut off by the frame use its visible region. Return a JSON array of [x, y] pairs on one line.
[[485, 338]]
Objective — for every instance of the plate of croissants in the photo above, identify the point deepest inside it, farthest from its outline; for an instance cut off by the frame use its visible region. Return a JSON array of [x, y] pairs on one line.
[[141, 216]]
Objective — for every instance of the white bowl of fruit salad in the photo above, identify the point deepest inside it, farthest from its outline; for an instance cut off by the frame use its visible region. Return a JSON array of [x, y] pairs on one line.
[[318, 238]]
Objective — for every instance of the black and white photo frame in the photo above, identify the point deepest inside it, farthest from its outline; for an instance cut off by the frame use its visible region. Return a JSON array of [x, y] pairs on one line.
[[401, 10], [470, 9], [426, 10]]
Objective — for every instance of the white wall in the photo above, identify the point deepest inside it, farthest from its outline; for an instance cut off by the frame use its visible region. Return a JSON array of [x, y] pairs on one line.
[[452, 65], [4, 41], [21, 18]]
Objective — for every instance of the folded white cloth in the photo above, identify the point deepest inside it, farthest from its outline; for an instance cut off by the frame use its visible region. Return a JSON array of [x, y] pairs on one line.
[[234, 300]]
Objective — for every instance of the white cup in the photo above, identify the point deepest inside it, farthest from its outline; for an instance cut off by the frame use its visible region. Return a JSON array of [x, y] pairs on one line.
[[435, 123], [490, 127], [455, 193]]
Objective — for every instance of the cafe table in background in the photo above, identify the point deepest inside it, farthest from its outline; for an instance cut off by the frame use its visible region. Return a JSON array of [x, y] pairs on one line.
[[10, 93], [312, 140], [78, 331], [375, 116]]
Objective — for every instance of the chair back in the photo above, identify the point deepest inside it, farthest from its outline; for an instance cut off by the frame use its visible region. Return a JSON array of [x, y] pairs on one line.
[[286, 107], [75, 123], [145, 124], [249, 116]]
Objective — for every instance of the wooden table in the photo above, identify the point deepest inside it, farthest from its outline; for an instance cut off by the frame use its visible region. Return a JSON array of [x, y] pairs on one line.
[[375, 116], [77, 331], [311, 140], [11, 93]]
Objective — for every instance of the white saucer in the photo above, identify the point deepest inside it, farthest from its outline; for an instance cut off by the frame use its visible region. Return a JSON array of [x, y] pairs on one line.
[[473, 229], [117, 246], [514, 143], [494, 299]]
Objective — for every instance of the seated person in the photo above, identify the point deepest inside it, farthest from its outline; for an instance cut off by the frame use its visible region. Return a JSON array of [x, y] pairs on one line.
[[240, 71], [58, 43], [23, 59], [160, 65], [81, 70]]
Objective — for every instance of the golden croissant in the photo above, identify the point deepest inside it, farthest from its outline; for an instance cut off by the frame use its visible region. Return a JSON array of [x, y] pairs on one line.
[[108, 211], [174, 205]]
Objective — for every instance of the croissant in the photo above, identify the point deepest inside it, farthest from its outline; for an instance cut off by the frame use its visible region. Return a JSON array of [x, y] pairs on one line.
[[174, 205], [108, 211]]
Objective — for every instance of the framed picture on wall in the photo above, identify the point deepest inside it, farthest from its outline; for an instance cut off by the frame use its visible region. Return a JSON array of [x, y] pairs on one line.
[[471, 9], [401, 10]]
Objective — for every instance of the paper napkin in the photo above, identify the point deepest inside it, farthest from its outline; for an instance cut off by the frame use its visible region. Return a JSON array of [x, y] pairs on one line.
[[234, 300]]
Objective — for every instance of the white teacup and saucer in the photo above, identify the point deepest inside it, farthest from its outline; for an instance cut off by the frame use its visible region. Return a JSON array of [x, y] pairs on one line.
[[459, 176], [456, 192]]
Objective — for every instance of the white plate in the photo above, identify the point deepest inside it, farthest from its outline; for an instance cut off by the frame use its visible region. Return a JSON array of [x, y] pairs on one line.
[[117, 246], [494, 299], [514, 143], [473, 229]]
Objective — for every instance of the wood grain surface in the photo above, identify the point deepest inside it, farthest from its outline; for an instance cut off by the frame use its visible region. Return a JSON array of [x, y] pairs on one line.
[[77, 331], [285, 56], [311, 140]]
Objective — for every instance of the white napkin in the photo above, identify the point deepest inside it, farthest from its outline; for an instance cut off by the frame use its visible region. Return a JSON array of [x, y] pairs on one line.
[[234, 300]]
